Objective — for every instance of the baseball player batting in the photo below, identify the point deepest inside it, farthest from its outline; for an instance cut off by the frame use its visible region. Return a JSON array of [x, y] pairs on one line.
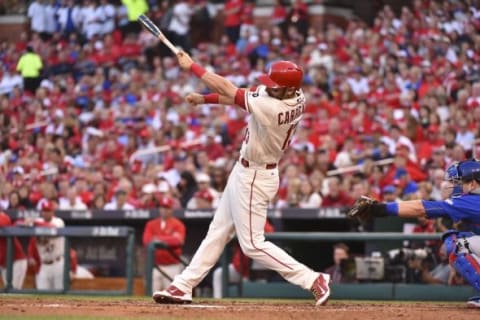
[[276, 108]]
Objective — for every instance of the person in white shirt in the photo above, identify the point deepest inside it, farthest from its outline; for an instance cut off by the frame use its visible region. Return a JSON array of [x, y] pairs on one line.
[[10, 81], [69, 18], [465, 137], [50, 18], [88, 16], [119, 202], [180, 24], [358, 83], [71, 201], [107, 12], [308, 197], [37, 14]]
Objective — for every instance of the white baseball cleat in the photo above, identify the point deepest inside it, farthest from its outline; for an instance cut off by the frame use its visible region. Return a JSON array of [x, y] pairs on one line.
[[474, 302], [320, 289], [172, 295]]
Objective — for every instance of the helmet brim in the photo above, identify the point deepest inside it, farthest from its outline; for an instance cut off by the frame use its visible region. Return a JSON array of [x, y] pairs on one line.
[[267, 81]]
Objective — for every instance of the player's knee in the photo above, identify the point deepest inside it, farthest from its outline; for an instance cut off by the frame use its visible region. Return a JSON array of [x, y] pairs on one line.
[[248, 248], [469, 267]]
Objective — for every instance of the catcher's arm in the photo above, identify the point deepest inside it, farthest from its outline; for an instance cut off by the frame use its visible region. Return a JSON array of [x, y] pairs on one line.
[[366, 209]]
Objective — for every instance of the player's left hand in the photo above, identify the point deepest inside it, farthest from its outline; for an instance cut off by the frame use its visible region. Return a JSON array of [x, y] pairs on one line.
[[194, 98], [184, 60]]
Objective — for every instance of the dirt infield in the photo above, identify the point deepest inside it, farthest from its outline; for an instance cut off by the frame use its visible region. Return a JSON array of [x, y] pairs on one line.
[[68, 307]]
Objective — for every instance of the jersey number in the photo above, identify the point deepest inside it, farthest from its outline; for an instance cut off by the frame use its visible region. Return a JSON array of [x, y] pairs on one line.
[[288, 138]]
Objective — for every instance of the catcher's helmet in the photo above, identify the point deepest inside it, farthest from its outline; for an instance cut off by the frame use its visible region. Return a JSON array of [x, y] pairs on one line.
[[452, 173], [283, 74], [454, 177], [469, 170]]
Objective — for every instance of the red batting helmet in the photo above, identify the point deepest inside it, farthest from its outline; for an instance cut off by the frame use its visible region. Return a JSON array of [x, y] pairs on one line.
[[283, 74]]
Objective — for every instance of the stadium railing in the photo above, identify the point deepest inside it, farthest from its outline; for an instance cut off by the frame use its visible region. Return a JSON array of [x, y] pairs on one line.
[[71, 232]]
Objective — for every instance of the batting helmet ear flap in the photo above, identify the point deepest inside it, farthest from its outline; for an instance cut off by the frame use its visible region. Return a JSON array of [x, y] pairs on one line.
[[283, 74]]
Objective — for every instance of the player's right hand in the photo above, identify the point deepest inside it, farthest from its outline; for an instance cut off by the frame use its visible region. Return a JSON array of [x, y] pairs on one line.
[[184, 60], [194, 98]]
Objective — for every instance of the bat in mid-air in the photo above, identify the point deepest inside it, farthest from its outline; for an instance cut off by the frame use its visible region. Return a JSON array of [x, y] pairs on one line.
[[147, 23]]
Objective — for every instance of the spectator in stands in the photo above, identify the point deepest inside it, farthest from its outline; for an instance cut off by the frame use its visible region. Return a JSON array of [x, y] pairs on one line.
[[170, 231], [30, 66], [336, 197], [38, 17], [19, 266], [106, 12], [219, 180], [69, 18], [179, 26], [339, 272], [206, 197], [9, 81], [134, 9], [297, 17], [233, 10], [99, 202], [238, 268], [308, 197], [202, 199], [389, 193], [186, 188], [119, 202], [71, 201]]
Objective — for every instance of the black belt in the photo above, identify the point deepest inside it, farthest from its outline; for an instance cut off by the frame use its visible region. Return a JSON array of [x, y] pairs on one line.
[[52, 261], [246, 164]]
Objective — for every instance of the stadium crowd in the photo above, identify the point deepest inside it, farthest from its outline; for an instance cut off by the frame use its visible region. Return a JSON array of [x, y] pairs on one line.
[[94, 116]]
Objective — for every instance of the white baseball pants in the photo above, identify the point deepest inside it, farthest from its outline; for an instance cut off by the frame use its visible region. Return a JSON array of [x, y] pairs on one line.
[[243, 210], [19, 270], [50, 276]]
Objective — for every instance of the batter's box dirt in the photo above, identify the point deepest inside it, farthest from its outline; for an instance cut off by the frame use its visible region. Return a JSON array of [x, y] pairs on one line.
[[79, 307]]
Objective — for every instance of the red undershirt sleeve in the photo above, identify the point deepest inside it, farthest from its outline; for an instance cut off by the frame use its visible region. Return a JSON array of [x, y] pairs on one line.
[[240, 99]]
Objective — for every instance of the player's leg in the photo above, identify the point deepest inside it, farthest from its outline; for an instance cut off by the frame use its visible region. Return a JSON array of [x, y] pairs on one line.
[[171, 271], [464, 256], [156, 280], [19, 272], [217, 283], [41, 278], [57, 270], [220, 231], [254, 193], [3, 273]]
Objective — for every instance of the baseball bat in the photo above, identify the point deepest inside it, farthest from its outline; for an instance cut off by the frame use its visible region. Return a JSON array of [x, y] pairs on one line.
[[147, 23]]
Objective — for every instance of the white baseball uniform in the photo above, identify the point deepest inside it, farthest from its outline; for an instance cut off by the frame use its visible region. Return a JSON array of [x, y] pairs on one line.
[[252, 184], [19, 266], [50, 251]]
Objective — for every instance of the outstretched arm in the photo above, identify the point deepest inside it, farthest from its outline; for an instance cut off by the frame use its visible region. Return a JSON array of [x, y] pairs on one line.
[[213, 81], [196, 98], [411, 209], [365, 209]]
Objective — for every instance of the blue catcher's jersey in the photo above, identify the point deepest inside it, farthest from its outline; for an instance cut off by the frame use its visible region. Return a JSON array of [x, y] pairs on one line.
[[465, 207]]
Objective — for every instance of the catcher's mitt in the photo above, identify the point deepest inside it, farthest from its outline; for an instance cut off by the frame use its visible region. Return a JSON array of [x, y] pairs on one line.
[[363, 210]]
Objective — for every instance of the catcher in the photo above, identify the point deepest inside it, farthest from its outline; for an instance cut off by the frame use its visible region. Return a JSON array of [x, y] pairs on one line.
[[463, 245]]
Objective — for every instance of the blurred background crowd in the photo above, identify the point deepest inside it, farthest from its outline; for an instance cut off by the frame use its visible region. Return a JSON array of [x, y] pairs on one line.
[[92, 112]]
